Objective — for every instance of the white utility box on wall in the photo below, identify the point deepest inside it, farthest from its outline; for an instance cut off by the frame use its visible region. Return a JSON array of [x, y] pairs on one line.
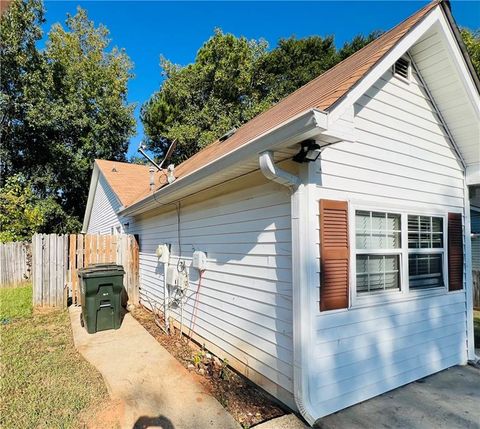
[[163, 253], [172, 275], [199, 260]]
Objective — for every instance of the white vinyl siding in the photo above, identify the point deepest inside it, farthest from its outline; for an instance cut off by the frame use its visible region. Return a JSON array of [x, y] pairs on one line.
[[401, 161], [103, 218], [245, 299]]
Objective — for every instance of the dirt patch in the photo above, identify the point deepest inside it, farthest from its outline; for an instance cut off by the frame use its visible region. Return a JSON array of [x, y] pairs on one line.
[[247, 403], [108, 415]]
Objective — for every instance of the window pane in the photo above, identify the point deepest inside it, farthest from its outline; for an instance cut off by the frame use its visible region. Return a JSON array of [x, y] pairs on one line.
[[425, 270], [379, 221], [425, 232], [362, 225], [393, 240], [377, 273], [437, 224], [393, 222], [377, 230]]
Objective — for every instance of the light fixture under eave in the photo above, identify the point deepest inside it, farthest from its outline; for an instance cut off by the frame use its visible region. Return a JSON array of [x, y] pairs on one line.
[[310, 151]]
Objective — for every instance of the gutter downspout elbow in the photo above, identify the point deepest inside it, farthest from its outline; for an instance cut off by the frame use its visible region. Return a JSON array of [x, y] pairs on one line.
[[300, 282], [274, 173]]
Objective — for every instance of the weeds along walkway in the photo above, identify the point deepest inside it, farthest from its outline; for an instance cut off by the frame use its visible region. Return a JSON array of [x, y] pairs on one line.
[[155, 388]]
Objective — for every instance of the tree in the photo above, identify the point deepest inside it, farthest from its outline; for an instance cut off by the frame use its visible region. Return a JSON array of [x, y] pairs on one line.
[[23, 213], [294, 62], [203, 100], [61, 107], [472, 42], [231, 81]]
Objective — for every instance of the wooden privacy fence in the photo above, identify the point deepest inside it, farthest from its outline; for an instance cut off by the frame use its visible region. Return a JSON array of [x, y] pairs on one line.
[[15, 263], [57, 259]]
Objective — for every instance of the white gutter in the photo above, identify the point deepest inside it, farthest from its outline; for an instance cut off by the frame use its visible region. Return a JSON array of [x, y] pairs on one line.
[[300, 282]]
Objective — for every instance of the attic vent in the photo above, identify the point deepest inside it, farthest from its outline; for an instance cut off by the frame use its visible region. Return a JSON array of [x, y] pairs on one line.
[[402, 68]]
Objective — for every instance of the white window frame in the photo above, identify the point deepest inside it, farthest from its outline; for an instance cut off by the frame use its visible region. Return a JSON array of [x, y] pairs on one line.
[[366, 299], [431, 250]]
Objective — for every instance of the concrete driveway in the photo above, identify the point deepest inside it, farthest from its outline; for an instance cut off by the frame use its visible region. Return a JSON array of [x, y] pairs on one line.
[[449, 399]]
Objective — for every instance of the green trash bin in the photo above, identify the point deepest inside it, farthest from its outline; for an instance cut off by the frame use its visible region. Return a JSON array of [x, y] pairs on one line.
[[101, 288]]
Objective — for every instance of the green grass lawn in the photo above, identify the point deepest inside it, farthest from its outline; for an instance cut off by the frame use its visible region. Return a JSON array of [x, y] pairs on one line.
[[476, 326], [44, 382]]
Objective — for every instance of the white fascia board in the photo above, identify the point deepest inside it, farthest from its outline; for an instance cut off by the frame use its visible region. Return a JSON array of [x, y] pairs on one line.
[[91, 197], [384, 64], [305, 125], [472, 174]]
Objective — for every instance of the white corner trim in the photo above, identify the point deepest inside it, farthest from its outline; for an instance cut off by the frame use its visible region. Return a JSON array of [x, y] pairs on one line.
[[468, 277]]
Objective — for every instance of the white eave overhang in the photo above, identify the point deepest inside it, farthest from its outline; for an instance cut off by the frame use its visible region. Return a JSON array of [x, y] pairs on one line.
[[91, 196], [312, 124]]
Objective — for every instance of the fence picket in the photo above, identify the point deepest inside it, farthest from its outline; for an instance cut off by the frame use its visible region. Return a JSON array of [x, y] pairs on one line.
[[57, 258], [15, 263]]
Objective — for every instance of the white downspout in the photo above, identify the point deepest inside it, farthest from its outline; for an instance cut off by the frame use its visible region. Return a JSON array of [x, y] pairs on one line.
[[300, 283]]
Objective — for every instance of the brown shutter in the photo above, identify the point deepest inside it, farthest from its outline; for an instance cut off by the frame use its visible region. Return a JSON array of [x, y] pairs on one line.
[[334, 254], [455, 252]]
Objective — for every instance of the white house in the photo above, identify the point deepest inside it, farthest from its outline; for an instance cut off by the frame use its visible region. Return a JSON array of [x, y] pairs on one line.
[[331, 281]]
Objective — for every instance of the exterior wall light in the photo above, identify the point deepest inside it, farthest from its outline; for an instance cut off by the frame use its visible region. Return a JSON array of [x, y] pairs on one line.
[[310, 151]]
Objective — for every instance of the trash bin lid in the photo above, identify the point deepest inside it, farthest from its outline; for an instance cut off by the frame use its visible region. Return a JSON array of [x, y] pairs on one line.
[[102, 269]]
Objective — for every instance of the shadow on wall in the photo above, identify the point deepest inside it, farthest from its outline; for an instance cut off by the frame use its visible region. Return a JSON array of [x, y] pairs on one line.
[[145, 422]]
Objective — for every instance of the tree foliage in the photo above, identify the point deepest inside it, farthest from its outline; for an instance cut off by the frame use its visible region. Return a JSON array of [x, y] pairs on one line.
[[62, 107], [23, 212], [232, 80], [472, 42]]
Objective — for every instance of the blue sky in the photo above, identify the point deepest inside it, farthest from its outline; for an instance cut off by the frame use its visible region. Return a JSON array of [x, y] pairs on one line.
[[148, 29]]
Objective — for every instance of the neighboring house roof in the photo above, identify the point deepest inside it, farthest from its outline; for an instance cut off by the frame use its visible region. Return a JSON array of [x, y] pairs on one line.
[[323, 93], [128, 181]]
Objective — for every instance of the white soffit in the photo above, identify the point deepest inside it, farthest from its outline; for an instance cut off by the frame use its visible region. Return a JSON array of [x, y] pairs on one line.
[[441, 64]]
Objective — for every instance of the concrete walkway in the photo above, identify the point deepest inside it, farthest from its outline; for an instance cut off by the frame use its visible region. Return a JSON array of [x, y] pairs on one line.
[[156, 390]]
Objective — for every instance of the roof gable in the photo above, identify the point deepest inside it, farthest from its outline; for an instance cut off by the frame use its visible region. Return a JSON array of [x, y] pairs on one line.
[[128, 181]]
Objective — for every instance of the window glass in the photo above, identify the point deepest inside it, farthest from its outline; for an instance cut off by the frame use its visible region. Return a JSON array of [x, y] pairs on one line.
[[377, 230], [377, 273], [425, 270], [425, 232]]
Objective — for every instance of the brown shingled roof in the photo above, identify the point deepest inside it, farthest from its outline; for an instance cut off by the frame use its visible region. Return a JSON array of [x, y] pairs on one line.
[[130, 182], [321, 93]]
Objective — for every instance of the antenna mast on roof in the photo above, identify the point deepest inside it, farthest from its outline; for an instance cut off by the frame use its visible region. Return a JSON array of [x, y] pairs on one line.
[[170, 150]]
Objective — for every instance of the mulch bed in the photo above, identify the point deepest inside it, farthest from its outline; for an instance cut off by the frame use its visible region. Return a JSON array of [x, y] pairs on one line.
[[247, 403]]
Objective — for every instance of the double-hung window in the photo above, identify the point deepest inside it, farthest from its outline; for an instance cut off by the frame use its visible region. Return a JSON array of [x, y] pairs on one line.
[[381, 257], [426, 252], [378, 251]]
